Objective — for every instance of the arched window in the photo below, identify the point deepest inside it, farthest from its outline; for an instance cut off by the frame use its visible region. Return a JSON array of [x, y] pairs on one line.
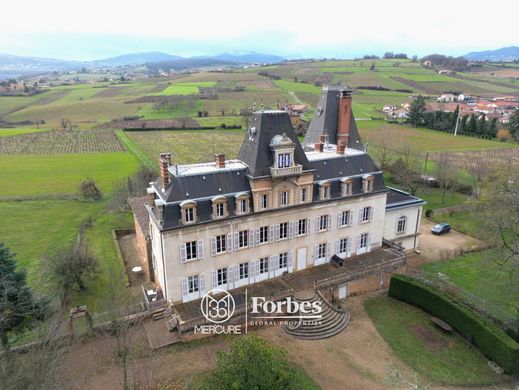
[[401, 224], [188, 211]]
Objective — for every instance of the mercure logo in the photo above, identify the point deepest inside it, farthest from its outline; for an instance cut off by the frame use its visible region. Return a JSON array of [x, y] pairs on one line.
[[218, 310]]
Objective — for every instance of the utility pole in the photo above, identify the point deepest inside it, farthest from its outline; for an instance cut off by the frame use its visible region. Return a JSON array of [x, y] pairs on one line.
[[426, 159], [457, 122]]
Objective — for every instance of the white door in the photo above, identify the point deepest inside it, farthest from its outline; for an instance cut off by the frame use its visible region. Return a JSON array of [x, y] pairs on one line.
[[343, 291], [301, 259]]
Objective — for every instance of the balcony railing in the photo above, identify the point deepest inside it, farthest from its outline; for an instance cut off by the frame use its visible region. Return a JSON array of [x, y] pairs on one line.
[[295, 170]]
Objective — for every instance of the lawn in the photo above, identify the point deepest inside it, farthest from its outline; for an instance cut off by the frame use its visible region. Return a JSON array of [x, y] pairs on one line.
[[438, 357], [60, 174], [476, 273], [291, 86]]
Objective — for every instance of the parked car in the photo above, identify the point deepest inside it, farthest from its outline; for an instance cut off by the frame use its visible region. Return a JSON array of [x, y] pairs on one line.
[[441, 228]]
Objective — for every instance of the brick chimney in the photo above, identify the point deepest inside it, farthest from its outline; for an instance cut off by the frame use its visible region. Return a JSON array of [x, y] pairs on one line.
[[219, 158], [343, 128], [323, 138], [319, 146], [340, 147], [165, 162]]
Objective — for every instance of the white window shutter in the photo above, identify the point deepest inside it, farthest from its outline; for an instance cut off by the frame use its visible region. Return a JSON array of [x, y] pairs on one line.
[[328, 251], [271, 233], [277, 232], [337, 246], [213, 246], [229, 242], [369, 242], [339, 220], [215, 279], [201, 284], [317, 223], [308, 225], [290, 261], [371, 209], [358, 241], [330, 216], [360, 215], [348, 247], [251, 238], [316, 252], [185, 289], [257, 237], [273, 264], [253, 268], [183, 253], [290, 229], [351, 218], [236, 240], [200, 249], [232, 273]]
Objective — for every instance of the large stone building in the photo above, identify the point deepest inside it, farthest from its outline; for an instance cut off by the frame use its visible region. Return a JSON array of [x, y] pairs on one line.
[[281, 206]]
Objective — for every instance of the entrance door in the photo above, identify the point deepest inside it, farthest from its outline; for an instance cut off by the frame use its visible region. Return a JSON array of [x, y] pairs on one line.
[[301, 259], [343, 291]]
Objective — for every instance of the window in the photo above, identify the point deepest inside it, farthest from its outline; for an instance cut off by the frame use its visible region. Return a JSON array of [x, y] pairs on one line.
[[368, 183], [283, 260], [323, 223], [192, 284], [244, 270], [284, 198], [220, 243], [325, 191], [189, 214], [321, 252], [347, 187], [243, 239], [301, 227], [283, 230], [343, 245], [303, 195], [284, 160], [264, 201], [366, 214], [264, 234], [191, 252], [264, 265], [363, 240], [401, 224], [220, 210], [221, 276], [243, 206], [344, 218]]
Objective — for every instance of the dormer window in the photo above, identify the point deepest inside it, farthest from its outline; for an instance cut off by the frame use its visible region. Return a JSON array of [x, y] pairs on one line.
[[284, 160], [347, 187], [219, 207], [242, 203], [368, 183], [188, 212], [283, 156], [325, 190]]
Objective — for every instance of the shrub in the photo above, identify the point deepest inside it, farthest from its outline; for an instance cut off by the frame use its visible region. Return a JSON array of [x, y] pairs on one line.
[[483, 334], [503, 135], [88, 190], [428, 213]]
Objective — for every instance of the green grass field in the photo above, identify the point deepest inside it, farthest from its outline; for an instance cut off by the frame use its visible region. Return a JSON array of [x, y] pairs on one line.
[[43, 175], [19, 130], [184, 88], [479, 275], [439, 358]]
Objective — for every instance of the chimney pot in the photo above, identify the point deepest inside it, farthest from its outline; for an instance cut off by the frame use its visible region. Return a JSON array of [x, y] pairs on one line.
[[220, 160], [319, 146], [340, 147]]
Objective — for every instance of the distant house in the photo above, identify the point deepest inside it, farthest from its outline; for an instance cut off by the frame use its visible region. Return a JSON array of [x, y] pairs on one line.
[[427, 64], [447, 98], [389, 108], [461, 97], [446, 71]]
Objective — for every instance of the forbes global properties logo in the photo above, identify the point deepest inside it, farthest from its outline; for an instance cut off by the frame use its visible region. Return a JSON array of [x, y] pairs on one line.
[[218, 310]]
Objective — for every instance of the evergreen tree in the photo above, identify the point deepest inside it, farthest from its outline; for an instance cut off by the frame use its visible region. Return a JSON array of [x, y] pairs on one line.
[[417, 111], [19, 307], [482, 124], [473, 124], [513, 125], [492, 127], [463, 124]]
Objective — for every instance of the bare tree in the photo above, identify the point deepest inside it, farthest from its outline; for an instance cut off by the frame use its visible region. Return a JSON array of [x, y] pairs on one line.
[[478, 171], [187, 106], [446, 173], [406, 169], [385, 147]]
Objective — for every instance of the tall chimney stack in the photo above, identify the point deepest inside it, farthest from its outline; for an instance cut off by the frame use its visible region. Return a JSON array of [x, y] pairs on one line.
[[343, 128], [219, 158], [165, 161]]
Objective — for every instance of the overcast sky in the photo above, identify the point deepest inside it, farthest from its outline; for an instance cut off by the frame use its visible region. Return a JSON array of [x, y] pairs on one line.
[[93, 29]]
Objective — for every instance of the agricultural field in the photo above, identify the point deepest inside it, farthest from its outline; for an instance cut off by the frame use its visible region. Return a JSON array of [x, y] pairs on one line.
[[20, 130], [189, 146]]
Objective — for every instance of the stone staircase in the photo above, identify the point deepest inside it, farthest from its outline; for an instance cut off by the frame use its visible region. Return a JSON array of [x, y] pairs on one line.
[[332, 322]]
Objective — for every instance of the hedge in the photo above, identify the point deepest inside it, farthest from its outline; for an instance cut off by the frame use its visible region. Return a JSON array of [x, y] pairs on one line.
[[482, 333]]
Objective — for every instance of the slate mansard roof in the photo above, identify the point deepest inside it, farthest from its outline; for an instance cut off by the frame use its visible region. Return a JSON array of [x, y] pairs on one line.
[[203, 182], [326, 120]]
